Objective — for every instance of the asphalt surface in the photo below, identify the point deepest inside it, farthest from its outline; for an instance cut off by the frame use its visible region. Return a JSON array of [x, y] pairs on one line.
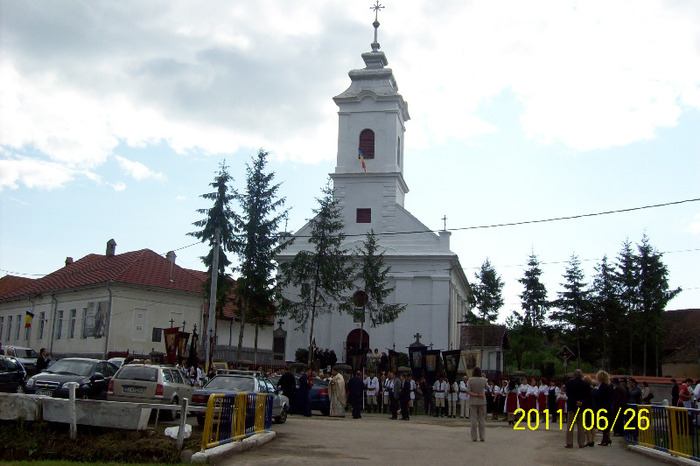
[[424, 440]]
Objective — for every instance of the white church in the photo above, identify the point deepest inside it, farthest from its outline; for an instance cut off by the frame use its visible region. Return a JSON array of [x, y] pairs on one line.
[[425, 273]]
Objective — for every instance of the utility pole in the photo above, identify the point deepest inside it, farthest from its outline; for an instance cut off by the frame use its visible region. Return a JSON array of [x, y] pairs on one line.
[[212, 298]]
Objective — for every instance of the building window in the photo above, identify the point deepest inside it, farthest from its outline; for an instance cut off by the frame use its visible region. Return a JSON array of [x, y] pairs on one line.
[[59, 325], [398, 152], [26, 333], [84, 332], [157, 335], [367, 143], [19, 325], [71, 333], [2, 325], [9, 328], [364, 215], [42, 321]]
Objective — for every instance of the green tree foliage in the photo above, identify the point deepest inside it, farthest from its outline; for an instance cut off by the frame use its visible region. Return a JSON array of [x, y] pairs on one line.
[[607, 311], [573, 308], [373, 275], [534, 305], [654, 294], [220, 216], [257, 242], [627, 279], [488, 295], [322, 275]]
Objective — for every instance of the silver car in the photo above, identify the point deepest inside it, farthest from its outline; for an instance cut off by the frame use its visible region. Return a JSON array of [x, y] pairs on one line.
[[146, 383]]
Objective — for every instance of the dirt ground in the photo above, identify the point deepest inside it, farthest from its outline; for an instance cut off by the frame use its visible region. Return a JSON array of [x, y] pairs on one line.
[[424, 440]]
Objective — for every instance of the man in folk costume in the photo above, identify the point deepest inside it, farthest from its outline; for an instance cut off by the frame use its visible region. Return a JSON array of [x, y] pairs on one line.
[[542, 398], [464, 398], [372, 387], [336, 392], [452, 397], [439, 389]]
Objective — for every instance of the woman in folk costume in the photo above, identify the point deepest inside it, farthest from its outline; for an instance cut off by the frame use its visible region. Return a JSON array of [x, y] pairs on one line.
[[561, 400], [533, 392], [489, 396], [452, 396], [463, 398], [511, 400], [552, 393], [523, 402], [542, 399], [504, 393], [497, 396]]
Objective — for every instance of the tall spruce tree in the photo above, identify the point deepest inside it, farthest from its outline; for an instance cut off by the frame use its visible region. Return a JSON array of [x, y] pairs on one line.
[[534, 305], [321, 276], [608, 312], [257, 242], [654, 294], [487, 291], [221, 216], [627, 279], [573, 306], [373, 276]]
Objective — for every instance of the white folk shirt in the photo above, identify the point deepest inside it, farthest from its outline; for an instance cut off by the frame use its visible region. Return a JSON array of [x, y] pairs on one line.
[[533, 390], [463, 391], [439, 389], [372, 384], [453, 392], [544, 389], [496, 390]]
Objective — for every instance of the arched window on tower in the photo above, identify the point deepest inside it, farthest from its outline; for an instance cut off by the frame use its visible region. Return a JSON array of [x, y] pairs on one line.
[[398, 151], [366, 144]]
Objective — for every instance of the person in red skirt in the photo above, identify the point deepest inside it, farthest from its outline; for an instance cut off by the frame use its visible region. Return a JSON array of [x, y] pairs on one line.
[[511, 394], [561, 401], [522, 395], [542, 398]]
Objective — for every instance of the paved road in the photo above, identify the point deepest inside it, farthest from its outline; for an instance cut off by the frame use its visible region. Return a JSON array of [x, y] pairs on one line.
[[423, 440]]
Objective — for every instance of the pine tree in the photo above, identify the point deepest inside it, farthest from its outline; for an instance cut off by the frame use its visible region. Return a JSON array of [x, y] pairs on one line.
[[322, 275], [488, 293], [374, 278], [654, 294], [256, 243], [220, 216], [534, 305], [573, 305]]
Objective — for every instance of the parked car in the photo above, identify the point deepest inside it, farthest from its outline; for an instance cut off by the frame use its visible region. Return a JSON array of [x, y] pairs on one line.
[[12, 375], [318, 396], [232, 382], [116, 361], [145, 383], [92, 375], [26, 356]]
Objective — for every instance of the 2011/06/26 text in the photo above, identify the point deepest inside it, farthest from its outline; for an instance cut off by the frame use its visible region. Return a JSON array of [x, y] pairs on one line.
[[591, 419]]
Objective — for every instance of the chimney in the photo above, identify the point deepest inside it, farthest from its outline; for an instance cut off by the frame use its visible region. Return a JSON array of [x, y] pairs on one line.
[[111, 247], [171, 257], [69, 261]]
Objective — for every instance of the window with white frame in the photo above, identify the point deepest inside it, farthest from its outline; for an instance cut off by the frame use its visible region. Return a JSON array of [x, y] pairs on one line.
[[71, 331], [59, 325], [9, 328], [42, 322], [140, 322], [19, 326]]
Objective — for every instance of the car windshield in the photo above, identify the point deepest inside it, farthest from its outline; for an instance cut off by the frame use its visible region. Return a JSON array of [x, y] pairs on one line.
[[72, 367], [145, 374], [238, 384], [26, 353]]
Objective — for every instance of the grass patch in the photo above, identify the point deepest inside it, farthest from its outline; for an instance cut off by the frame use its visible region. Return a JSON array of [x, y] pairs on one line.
[[42, 441]]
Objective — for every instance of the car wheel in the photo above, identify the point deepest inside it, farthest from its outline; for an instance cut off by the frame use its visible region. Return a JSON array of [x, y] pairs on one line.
[[282, 418], [20, 389], [326, 411], [84, 396], [169, 415]]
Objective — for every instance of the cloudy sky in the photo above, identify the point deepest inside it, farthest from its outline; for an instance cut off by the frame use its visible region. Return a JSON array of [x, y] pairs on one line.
[[115, 115]]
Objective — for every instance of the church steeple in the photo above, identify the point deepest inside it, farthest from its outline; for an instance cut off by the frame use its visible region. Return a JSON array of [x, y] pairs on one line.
[[372, 116]]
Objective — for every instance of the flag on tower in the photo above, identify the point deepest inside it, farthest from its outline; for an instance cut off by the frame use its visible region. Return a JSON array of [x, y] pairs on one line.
[[362, 159], [28, 316]]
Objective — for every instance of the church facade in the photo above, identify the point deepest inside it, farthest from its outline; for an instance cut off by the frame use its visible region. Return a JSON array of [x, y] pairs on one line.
[[369, 184]]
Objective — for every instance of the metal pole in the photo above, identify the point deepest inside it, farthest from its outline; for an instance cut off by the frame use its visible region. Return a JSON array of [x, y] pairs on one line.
[[212, 296]]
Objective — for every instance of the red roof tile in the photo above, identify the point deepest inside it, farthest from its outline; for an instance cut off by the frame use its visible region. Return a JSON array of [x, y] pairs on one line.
[[10, 283], [144, 268]]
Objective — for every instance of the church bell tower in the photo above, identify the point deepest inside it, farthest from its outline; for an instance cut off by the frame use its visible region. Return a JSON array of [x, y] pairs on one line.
[[368, 177]]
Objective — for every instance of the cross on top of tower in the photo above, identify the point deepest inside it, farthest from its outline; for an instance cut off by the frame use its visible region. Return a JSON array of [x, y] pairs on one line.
[[376, 7]]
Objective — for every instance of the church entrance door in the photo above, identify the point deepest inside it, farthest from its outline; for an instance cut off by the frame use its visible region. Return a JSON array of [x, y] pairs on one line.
[[354, 352]]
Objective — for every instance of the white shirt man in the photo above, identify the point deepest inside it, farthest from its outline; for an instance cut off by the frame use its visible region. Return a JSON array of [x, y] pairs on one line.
[[463, 398], [372, 386], [439, 389]]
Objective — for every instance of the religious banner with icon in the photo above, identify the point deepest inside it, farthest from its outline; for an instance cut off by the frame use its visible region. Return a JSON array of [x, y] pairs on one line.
[[451, 360], [171, 344], [469, 360], [182, 338], [417, 356], [432, 365]]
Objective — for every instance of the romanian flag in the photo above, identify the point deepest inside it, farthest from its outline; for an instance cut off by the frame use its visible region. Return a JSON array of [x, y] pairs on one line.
[[28, 316], [362, 159]]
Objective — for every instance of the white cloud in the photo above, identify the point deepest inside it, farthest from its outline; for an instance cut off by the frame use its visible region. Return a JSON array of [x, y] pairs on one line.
[[78, 79], [137, 170], [33, 173], [118, 186]]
